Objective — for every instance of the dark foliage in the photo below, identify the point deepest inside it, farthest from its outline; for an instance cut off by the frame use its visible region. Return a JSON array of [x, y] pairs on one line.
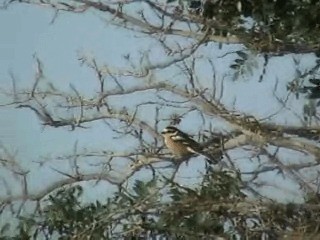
[[215, 208]]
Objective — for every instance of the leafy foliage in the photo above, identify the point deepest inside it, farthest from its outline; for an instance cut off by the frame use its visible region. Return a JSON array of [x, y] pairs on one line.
[[214, 208], [278, 25]]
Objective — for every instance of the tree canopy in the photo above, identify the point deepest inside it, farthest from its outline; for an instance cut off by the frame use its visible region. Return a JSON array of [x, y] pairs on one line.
[[241, 77]]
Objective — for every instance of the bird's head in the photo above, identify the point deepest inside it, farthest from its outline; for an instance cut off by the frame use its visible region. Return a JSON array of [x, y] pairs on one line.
[[170, 130]]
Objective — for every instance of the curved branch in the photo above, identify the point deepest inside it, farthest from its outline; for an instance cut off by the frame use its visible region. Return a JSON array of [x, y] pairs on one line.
[[58, 184]]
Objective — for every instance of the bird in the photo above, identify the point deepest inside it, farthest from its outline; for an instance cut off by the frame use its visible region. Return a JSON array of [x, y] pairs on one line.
[[182, 145]]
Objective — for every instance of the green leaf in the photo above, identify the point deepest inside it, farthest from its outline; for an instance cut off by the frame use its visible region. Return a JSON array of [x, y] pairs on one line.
[[243, 55], [235, 66], [141, 189], [239, 61]]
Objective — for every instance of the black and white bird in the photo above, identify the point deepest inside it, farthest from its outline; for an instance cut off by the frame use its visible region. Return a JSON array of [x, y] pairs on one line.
[[182, 145]]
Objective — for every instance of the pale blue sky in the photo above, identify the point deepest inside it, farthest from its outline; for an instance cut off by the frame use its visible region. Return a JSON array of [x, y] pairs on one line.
[[26, 30]]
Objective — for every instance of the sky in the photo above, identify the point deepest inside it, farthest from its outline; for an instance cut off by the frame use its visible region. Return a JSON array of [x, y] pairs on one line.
[[27, 33]]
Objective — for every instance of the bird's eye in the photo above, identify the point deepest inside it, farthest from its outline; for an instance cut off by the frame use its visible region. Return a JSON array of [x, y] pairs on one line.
[[169, 130]]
